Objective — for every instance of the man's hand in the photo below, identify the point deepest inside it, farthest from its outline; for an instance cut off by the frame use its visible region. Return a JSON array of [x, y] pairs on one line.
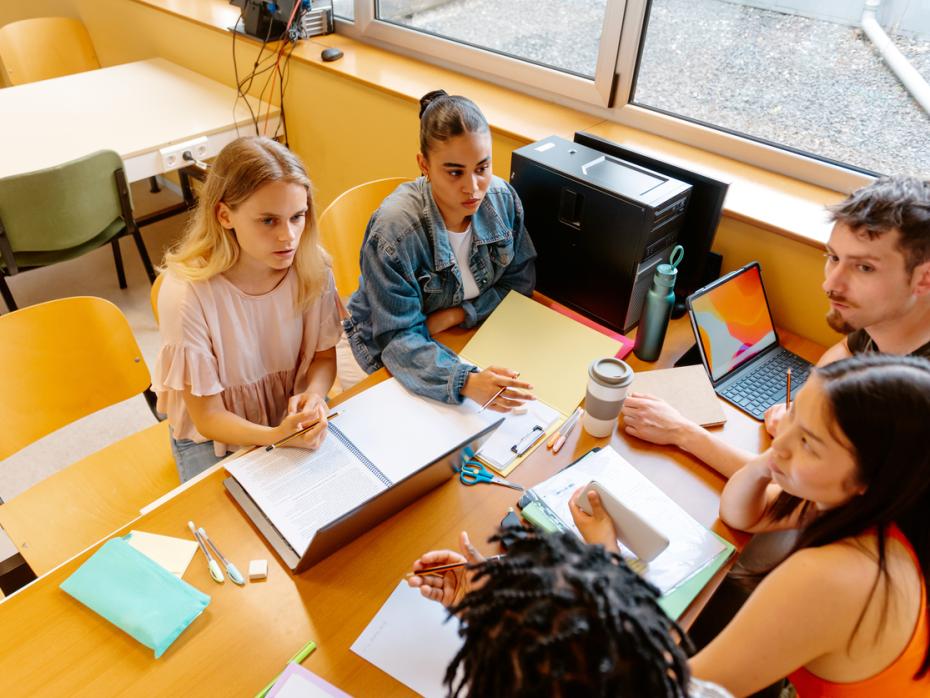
[[449, 587], [596, 527], [652, 419]]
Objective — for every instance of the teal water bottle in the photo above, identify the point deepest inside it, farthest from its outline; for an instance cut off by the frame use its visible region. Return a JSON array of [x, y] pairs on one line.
[[657, 308]]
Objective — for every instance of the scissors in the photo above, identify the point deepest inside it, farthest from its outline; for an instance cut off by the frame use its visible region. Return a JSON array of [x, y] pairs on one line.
[[474, 472]]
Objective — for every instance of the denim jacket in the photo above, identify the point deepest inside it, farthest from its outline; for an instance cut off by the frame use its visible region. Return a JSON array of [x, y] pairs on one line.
[[409, 271]]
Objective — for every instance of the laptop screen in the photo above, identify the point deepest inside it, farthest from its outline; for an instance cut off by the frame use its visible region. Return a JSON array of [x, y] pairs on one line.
[[733, 321]]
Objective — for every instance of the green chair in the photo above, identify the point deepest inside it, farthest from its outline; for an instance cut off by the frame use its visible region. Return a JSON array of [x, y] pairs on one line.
[[63, 212]]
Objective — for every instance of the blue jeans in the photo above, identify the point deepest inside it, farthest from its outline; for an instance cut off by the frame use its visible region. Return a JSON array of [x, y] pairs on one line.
[[193, 458]]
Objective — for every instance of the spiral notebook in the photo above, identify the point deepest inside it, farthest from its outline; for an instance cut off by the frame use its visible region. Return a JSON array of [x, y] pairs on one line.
[[386, 448]]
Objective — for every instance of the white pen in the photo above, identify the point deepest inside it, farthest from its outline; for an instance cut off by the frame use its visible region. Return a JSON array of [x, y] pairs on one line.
[[214, 566], [230, 567]]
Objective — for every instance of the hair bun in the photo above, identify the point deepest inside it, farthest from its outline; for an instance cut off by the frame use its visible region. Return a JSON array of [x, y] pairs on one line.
[[429, 98]]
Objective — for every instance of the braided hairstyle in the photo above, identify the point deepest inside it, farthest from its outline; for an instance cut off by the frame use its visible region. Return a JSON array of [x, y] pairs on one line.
[[560, 617]]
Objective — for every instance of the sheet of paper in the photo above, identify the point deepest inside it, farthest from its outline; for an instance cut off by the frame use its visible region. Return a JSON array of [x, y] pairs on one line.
[[411, 640], [551, 351], [497, 450], [174, 554], [300, 490], [297, 682], [401, 432], [691, 545]]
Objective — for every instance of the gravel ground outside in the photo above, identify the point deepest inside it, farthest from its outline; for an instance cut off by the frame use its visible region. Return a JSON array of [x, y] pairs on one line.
[[808, 84]]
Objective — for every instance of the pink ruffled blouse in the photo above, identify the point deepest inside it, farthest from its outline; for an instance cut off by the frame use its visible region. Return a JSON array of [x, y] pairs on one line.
[[255, 351]]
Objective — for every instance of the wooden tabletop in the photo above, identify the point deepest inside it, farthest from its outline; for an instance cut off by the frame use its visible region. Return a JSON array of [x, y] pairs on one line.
[[51, 645], [135, 109]]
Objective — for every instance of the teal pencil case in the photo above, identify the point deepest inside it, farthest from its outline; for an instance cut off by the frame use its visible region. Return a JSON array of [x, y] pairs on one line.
[[136, 594]]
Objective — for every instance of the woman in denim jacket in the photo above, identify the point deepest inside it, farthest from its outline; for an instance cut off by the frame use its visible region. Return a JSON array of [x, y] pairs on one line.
[[442, 251]]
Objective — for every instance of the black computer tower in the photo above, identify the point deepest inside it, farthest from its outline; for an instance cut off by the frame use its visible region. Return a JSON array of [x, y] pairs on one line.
[[600, 226]]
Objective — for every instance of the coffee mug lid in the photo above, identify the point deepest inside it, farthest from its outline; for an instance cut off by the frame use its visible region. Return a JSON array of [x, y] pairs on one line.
[[611, 371]]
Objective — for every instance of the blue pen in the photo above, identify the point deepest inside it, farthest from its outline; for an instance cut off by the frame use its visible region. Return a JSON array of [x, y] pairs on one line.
[[230, 567]]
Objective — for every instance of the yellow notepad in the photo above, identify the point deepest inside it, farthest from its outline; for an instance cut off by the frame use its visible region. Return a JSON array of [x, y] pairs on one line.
[[552, 352]]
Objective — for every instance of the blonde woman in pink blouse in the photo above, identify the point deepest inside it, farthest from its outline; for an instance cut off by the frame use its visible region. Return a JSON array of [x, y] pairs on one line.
[[248, 311]]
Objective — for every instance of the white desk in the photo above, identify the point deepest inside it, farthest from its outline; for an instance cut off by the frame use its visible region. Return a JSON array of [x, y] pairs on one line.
[[135, 109]]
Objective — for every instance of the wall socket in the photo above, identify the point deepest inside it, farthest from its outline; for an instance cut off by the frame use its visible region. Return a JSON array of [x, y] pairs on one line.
[[172, 157]]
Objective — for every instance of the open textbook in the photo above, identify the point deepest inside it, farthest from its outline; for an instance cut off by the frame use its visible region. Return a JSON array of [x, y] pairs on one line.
[[691, 546], [386, 448]]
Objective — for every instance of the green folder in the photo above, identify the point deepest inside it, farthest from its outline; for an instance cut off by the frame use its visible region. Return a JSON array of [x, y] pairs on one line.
[[678, 599], [136, 594]]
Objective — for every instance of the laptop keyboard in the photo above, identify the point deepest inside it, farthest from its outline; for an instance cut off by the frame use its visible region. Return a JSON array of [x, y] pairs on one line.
[[764, 385]]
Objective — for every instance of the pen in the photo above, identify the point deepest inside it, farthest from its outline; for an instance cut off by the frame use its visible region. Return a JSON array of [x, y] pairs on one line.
[[561, 430], [296, 659], [498, 393], [568, 430], [788, 389], [307, 428], [446, 568], [214, 566], [230, 567]]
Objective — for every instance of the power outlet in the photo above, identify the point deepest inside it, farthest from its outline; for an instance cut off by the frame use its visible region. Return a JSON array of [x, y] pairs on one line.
[[172, 157]]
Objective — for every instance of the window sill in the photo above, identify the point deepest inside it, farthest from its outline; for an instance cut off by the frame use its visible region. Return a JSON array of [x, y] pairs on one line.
[[774, 202]]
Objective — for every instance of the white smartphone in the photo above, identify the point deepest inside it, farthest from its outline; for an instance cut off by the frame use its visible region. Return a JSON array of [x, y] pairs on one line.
[[633, 531]]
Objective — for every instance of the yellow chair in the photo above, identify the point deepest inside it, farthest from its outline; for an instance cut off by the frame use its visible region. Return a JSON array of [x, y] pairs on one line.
[[45, 47], [342, 227], [64, 360]]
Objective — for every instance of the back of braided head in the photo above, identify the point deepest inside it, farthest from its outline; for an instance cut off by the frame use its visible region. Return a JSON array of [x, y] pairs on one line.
[[562, 618]]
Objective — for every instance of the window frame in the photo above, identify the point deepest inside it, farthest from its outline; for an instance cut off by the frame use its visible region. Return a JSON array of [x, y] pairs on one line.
[[458, 55], [608, 95]]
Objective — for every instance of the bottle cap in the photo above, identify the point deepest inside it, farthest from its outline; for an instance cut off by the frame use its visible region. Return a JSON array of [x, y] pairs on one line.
[[666, 274]]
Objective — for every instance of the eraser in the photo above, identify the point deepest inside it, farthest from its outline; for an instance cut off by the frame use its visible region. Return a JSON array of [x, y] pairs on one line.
[[258, 569], [519, 410]]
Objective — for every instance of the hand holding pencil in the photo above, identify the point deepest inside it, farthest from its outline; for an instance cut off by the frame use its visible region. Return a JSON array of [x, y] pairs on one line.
[[449, 585]]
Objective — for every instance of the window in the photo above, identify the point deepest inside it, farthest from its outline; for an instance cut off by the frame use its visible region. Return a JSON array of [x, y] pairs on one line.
[[796, 86], [564, 46]]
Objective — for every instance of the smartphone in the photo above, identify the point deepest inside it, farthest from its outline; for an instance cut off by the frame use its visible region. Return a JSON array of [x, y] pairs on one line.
[[633, 531]]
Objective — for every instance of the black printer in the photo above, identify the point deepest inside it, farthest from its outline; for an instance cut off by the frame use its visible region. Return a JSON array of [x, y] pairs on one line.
[[600, 225]]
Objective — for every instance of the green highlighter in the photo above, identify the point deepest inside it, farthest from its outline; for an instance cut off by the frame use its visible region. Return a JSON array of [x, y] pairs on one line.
[[542, 517]]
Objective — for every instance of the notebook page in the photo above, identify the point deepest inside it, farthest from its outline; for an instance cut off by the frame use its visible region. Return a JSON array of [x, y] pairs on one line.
[[401, 432], [301, 491]]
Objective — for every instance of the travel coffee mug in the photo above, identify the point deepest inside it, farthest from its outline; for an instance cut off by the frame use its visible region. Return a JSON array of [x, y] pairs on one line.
[[608, 382]]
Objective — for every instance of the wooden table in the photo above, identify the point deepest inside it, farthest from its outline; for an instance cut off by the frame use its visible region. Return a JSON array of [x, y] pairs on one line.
[[136, 109], [50, 645]]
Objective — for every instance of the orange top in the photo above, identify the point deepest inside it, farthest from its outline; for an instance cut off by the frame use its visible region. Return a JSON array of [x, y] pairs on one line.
[[896, 679]]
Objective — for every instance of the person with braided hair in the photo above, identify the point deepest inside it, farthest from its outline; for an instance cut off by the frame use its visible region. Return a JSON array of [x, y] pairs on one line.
[[845, 613], [558, 617]]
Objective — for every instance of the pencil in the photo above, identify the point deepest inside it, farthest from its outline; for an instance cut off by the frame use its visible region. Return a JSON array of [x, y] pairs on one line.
[[497, 394], [788, 389], [569, 425], [446, 568], [562, 429], [307, 428]]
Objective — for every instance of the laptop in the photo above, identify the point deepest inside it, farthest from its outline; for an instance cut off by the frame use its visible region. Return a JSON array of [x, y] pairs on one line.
[[349, 526], [738, 344]]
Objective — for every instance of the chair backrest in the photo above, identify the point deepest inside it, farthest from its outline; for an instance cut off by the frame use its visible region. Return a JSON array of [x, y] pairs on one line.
[[153, 294], [61, 207], [63, 360], [45, 47], [342, 227]]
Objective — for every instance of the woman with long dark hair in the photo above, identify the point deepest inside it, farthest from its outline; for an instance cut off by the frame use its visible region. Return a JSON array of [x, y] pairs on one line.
[[845, 614]]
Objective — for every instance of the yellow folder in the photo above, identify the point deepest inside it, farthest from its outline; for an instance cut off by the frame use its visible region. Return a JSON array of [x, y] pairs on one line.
[[552, 352]]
